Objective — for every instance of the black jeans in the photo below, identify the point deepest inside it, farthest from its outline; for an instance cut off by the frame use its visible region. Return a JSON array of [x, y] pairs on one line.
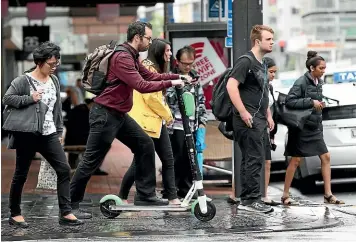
[[252, 145], [27, 144], [105, 126], [164, 151], [182, 168]]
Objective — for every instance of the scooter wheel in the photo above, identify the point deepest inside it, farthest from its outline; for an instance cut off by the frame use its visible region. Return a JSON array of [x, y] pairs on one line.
[[205, 217], [105, 209]]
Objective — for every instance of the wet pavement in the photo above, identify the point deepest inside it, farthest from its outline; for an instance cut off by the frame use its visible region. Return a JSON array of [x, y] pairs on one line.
[[40, 209], [41, 212]]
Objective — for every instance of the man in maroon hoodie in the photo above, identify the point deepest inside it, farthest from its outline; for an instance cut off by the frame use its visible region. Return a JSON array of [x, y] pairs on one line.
[[109, 120]]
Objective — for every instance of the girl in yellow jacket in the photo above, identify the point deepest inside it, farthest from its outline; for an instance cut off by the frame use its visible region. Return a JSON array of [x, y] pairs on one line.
[[152, 113]]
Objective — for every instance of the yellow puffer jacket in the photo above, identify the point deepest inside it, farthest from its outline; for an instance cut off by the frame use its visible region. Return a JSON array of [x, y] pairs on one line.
[[150, 109]]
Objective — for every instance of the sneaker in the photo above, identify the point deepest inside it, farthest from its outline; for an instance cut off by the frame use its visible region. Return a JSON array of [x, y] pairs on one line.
[[256, 207], [81, 214]]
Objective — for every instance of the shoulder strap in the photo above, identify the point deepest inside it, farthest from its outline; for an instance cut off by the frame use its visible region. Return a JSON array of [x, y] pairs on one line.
[[122, 48], [245, 55], [56, 81], [304, 86], [248, 56], [272, 92], [31, 83]]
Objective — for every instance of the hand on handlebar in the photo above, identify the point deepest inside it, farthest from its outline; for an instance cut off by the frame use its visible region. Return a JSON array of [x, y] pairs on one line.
[[178, 82], [186, 78]]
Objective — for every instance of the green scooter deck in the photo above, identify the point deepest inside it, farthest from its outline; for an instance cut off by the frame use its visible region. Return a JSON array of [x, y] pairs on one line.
[[131, 207]]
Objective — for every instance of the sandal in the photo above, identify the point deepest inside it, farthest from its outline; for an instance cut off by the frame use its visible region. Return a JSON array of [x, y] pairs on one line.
[[231, 200], [332, 200], [291, 202], [271, 203]]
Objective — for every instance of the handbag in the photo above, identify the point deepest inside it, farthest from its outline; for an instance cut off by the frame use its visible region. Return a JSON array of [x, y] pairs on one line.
[[47, 177], [13, 122], [226, 131], [292, 118]]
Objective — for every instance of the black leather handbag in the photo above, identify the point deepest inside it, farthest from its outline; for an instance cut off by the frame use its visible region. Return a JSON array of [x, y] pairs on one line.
[[292, 118]]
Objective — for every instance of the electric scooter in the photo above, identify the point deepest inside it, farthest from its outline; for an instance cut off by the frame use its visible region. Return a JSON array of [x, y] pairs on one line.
[[203, 209]]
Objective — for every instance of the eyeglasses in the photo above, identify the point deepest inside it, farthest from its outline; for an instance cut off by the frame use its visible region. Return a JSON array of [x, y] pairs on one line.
[[53, 64], [186, 64], [148, 38]]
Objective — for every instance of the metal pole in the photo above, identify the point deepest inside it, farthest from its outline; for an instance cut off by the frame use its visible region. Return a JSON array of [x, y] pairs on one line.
[[246, 13], [4, 80], [202, 10], [166, 21], [220, 8]]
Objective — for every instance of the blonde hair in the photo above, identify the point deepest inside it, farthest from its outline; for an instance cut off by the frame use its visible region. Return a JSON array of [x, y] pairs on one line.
[[256, 32]]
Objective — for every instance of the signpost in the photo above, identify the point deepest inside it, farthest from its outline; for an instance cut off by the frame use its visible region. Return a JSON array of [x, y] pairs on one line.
[[228, 39], [228, 42], [214, 8]]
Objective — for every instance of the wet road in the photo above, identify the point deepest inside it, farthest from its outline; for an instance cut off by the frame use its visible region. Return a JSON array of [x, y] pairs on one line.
[[229, 225], [346, 232]]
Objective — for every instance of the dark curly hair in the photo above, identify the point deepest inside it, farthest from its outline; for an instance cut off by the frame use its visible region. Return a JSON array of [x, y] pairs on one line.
[[45, 51], [137, 27], [313, 59]]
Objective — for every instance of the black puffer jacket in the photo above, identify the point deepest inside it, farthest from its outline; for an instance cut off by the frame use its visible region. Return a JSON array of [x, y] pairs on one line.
[[301, 96]]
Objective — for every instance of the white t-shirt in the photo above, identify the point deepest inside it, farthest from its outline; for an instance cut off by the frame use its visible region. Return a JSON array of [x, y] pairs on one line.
[[49, 97]]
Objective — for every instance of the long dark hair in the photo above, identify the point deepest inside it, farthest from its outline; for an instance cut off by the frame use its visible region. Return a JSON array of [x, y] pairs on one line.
[[156, 54]]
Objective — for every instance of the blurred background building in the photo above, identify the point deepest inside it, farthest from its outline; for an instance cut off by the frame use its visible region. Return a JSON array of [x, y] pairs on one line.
[[327, 26]]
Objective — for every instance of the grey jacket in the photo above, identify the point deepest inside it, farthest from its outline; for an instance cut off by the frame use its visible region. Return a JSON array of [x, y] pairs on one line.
[[18, 96]]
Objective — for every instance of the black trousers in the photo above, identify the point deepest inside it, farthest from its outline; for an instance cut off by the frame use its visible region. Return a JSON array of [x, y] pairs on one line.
[[27, 144], [164, 151], [252, 144], [182, 168], [105, 126]]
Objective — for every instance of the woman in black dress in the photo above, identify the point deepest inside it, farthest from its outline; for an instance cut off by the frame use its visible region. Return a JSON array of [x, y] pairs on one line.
[[306, 93]]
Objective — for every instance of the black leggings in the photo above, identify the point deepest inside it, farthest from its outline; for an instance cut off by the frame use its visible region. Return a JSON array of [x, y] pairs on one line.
[[164, 151], [182, 166], [49, 146]]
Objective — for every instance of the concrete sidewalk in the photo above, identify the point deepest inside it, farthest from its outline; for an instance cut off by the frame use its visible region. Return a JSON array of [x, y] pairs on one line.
[[41, 211]]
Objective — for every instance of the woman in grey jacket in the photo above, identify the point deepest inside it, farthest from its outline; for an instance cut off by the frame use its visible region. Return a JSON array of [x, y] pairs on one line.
[[37, 91]]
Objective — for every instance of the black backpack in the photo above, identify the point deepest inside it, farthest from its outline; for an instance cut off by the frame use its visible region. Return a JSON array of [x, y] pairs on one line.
[[221, 104]]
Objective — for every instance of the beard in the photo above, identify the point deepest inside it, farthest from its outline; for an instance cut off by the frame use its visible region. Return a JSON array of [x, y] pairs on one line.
[[143, 48]]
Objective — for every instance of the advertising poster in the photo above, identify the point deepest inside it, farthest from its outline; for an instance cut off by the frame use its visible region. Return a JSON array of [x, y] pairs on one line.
[[211, 60]]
